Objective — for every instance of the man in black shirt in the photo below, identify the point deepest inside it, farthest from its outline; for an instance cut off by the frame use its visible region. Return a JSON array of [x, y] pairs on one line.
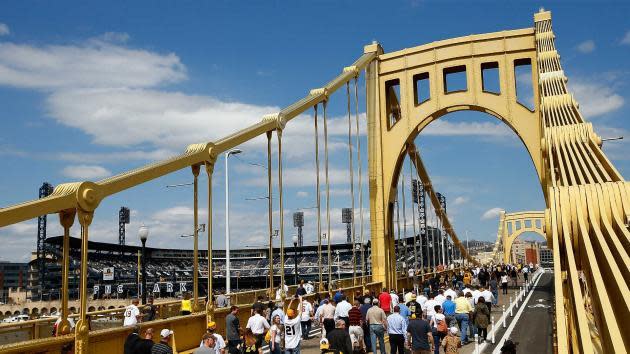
[[134, 344], [338, 339], [150, 310], [419, 335]]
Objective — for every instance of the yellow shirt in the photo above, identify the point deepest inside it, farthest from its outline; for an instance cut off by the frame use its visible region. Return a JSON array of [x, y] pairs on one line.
[[462, 305], [186, 305]]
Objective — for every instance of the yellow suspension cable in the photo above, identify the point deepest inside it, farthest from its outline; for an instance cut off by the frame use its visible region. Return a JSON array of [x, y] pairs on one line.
[[352, 230], [325, 103], [359, 162], [319, 213]]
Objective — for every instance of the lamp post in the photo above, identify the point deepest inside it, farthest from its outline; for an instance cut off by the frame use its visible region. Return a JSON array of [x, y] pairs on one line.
[[295, 243], [227, 220], [143, 233]]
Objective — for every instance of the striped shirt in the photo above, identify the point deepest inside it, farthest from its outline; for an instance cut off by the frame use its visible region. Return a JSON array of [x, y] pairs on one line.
[[354, 316]]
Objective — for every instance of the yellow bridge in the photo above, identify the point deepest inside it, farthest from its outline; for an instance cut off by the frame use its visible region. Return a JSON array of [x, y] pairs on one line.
[[587, 200]]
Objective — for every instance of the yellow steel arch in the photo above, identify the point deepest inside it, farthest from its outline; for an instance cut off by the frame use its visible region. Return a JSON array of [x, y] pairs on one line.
[[512, 225], [395, 120]]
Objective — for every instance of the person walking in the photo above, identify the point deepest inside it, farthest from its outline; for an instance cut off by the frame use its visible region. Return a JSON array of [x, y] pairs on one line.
[[377, 319], [134, 344], [150, 310], [219, 342], [233, 331], [306, 318], [449, 311], [396, 329], [451, 343], [481, 318], [419, 335], [258, 325], [276, 332], [439, 327], [356, 326], [326, 316], [293, 329], [504, 283], [132, 313], [514, 276], [341, 311], [494, 289], [385, 301], [162, 347], [367, 303], [463, 309], [338, 339]]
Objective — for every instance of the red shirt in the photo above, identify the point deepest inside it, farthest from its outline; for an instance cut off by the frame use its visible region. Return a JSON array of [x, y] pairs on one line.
[[385, 300]]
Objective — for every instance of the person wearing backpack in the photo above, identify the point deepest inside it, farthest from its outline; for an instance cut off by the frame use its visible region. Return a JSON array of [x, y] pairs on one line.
[[481, 317], [439, 327]]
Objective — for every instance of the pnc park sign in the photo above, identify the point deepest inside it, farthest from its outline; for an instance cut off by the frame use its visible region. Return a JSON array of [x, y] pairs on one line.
[[158, 288]]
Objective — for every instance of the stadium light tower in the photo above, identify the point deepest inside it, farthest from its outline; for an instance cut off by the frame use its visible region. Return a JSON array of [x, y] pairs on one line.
[[123, 218], [227, 219], [346, 218], [296, 239], [298, 221], [143, 233]]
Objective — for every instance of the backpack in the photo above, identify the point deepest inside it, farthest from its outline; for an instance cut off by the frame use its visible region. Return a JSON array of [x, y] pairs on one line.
[[442, 328]]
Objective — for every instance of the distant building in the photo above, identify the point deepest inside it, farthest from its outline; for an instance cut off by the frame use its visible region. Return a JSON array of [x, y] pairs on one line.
[[546, 257], [12, 275]]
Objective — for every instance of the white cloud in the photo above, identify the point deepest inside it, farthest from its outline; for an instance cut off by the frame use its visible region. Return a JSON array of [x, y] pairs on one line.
[[302, 194], [446, 128], [461, 200], [86, 172], [491, 213], [4, 29], [595, 99], [626, 39], [586, 46], [93, 64], [115, 37], [163, 119], [158, 154]]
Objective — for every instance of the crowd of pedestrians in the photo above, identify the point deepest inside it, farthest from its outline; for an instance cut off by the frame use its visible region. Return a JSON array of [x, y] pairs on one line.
[[441, 314]]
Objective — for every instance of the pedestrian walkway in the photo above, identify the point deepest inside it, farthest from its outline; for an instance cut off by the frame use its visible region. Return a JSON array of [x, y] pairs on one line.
[[311, 346]]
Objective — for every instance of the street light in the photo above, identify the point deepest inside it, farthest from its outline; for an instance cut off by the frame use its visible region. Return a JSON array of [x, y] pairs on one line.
[[143, 233], [295, 243], [227, 219], [201, 228]]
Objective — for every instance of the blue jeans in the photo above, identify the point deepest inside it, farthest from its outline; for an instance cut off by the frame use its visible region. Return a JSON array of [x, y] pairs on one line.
[[276, 349], [462, 322], [495, 295], [460, 284], [295, 350], [377, 330]]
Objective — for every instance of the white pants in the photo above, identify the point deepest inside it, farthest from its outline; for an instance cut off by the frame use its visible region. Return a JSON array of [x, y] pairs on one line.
[[356, 336]]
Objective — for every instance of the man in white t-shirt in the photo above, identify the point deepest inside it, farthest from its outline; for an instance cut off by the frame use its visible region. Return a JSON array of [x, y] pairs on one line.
[[450, 292], [132, 313], [476, 295], [440, 298], [305, 318], [421, 299], [293, 329], [309, 287], [429, 307], [487, 295]]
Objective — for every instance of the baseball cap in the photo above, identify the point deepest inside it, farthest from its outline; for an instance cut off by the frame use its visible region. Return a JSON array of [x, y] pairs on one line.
[[291, 312], [212, 325], [367, 300], [375, 302], [165, 333], [454, 330], [323, 344]]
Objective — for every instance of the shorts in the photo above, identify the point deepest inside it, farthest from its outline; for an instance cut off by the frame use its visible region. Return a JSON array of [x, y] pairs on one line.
[[356, 334]]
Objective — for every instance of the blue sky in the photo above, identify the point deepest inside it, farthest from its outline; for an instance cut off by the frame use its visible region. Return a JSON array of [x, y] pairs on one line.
[[91, 89]]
